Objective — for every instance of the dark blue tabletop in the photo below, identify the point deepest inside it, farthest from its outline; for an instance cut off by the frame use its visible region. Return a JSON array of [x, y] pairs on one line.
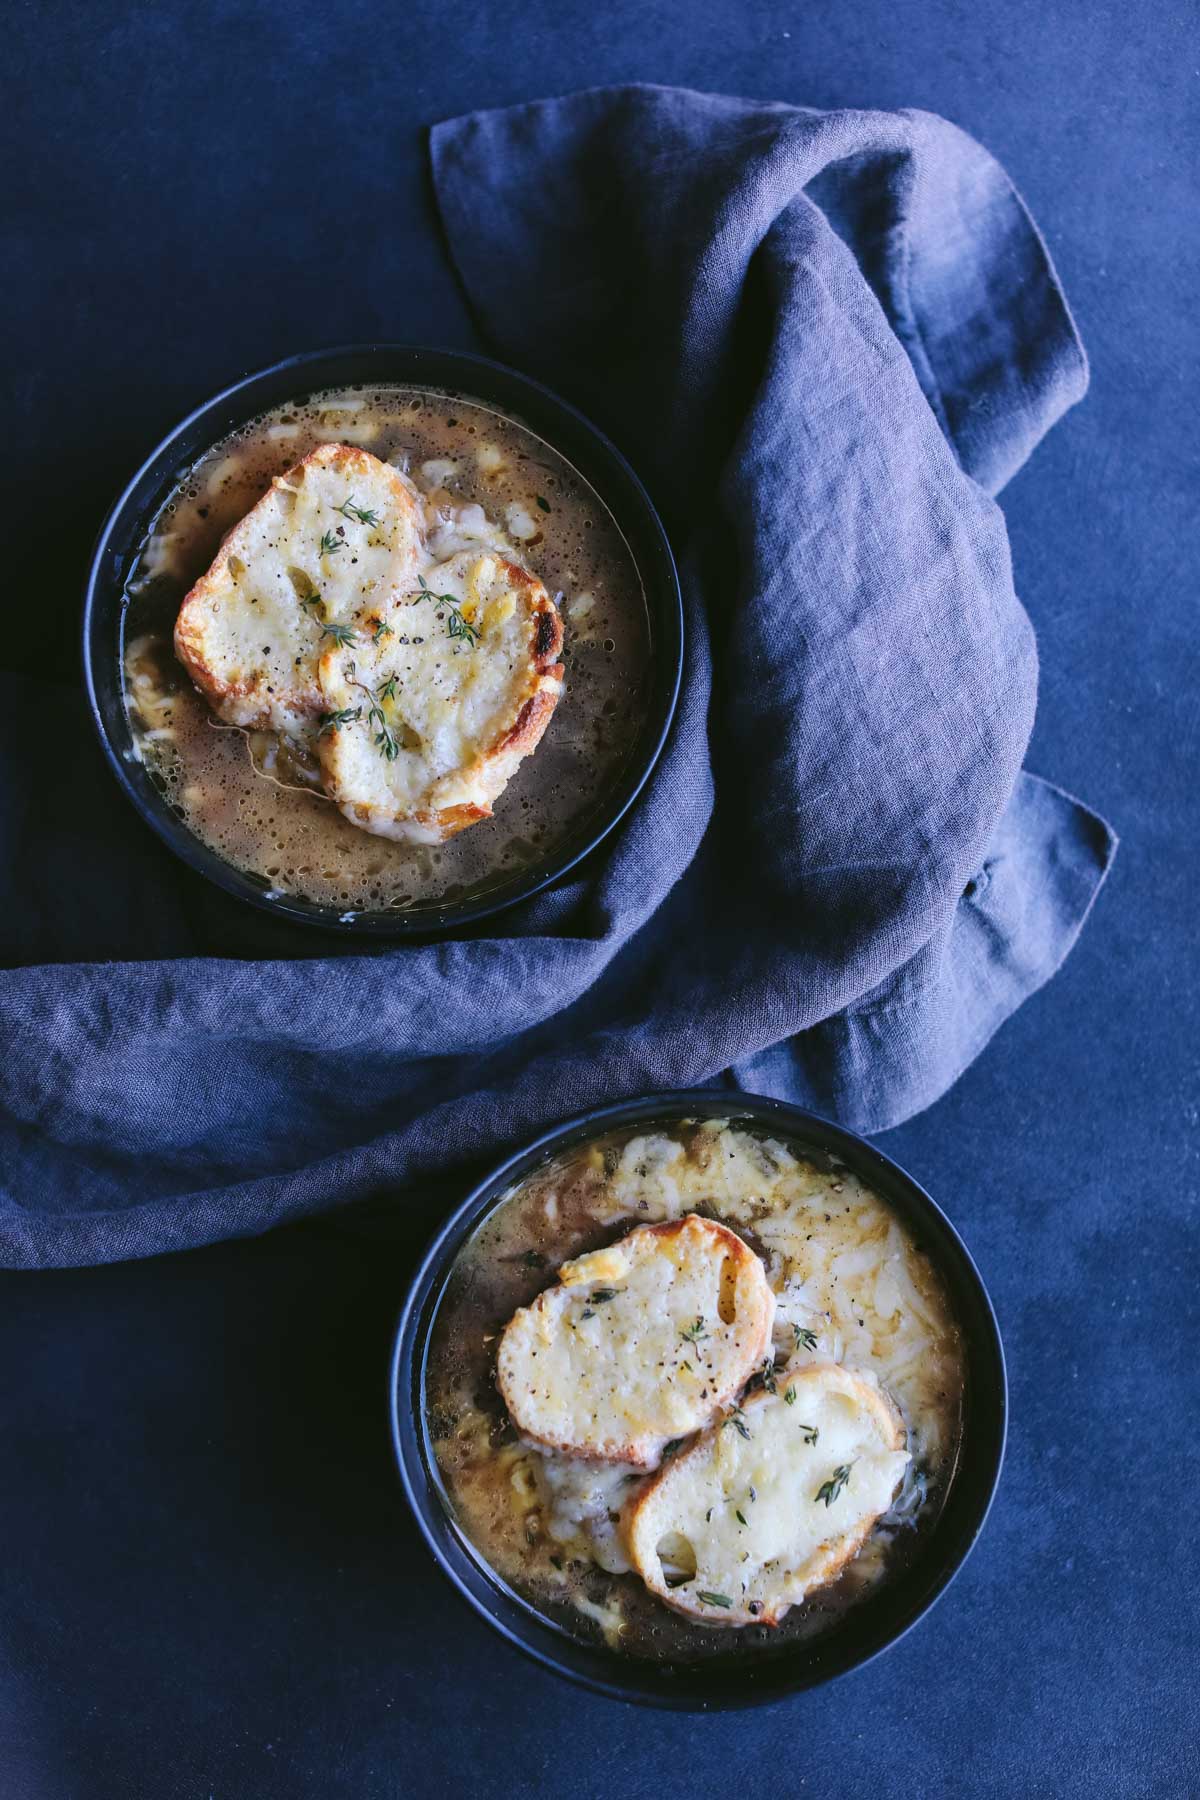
[[211, 1587]]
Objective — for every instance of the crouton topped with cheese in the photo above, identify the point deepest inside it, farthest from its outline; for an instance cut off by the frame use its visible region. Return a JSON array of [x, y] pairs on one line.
[[426, 715], [330, 541], [637, 1344], [419, 687], [773, 1500]]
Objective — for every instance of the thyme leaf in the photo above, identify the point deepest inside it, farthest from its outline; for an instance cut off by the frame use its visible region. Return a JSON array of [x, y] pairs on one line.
[[790, 1396], [829, 1490], [694, 1332], [714, 1599], [456, 625], [599, 1295], [331, 542], [459, 627], [341, 634], [738, 1420], [804, 1338], [331, 720], [385, 739], [363, 514]]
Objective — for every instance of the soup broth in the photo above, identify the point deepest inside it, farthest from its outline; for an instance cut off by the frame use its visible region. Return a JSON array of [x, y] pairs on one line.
[[256, 799], [850, 1285]]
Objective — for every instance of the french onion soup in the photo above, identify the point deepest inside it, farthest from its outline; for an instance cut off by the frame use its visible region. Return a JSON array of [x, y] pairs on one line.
[[690, 1390], [385, 647]]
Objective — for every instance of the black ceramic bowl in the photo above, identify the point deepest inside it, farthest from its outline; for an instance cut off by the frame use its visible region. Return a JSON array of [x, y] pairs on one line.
[[472, 377], [874, 1622]]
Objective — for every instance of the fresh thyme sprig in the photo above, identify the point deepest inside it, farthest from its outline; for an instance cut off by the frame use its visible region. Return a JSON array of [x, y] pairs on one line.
[[342, 635], [804, 1338], [386, 741], [459, 627], [694, 1332], [365, 515], [331, 542], [738, 1420], [382, 630], [829, 1490], [330, 721], [456, 625]]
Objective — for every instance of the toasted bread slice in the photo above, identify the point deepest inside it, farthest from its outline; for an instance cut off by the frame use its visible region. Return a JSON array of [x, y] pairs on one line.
[[428, 714], [639, 1343], [327, 545], [773, 1501]]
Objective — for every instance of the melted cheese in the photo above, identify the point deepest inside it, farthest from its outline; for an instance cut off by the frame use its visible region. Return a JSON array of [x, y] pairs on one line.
[[638, 1343], [583, 1498], [773, 1501], [870, 1349], [848, 1286], [415, 704], [330, 541]]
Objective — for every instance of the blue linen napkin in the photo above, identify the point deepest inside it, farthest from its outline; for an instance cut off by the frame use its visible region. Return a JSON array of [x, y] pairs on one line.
[[826, 340]]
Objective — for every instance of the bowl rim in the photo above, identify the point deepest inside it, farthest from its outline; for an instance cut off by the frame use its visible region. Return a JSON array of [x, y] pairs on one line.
[[664, 603], [631, 1680]]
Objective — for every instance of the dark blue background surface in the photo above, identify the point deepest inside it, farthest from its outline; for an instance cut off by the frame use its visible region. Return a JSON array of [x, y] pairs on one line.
[[210, 1585]]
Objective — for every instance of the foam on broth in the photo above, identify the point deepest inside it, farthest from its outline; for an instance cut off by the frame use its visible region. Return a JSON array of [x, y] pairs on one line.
[[256, 802], [844, 1270]]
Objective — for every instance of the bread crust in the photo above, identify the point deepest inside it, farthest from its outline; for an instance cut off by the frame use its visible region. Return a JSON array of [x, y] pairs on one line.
[[648, 1516], [743, 1286]]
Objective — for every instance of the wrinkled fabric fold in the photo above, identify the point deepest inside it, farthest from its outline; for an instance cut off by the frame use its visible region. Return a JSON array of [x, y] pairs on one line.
[[825, 340]]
